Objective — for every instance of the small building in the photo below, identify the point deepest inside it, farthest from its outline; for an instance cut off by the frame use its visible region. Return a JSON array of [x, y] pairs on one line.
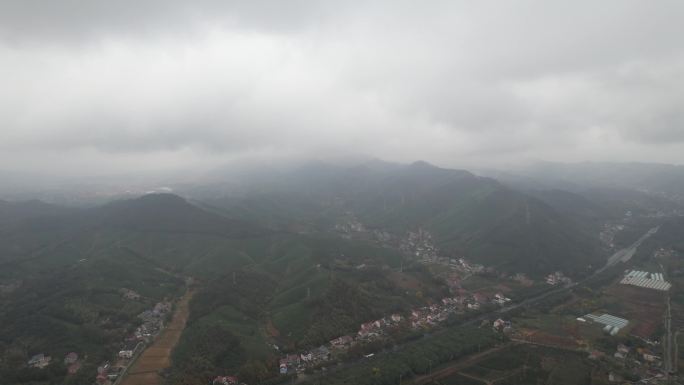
[[321, 353], [225, 380], [70, 358], [650, 357], [341, 342], [500, 299], [306, 357], [623, 349], [127, 354], [39, 361], [292, 359], [130, 294]]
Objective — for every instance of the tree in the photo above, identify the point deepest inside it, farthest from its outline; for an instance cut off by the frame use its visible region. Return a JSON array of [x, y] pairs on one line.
[[253, 372]]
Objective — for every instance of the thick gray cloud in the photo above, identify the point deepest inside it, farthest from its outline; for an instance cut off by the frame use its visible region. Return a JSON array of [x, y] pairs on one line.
[[101, 86]]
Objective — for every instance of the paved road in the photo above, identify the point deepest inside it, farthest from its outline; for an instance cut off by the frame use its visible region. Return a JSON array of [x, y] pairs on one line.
[[622, 255], [627, 253], [670, 354]]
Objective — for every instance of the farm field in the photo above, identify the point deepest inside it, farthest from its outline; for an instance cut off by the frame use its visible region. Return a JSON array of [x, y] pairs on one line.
[[522, 364], [145, 370]]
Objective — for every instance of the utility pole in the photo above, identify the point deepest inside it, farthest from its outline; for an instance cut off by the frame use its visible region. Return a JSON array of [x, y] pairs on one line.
[[308, 292], [234, 278]]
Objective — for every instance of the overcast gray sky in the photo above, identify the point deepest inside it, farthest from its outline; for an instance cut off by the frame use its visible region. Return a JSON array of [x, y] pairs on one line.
[[109, 86]]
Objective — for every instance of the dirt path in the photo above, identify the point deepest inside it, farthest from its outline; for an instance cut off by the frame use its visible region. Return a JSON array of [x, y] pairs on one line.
[[158, 355]]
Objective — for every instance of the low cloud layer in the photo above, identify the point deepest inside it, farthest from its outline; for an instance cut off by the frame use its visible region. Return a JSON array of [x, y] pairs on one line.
[[95, 87]]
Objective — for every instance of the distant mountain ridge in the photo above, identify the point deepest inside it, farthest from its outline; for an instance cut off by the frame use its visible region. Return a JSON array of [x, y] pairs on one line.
[[660, 179]]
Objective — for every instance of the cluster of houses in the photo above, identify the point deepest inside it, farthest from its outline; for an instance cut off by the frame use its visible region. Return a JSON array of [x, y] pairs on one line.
[[431, 315], [368, 331], [152, 323], [107, 373], [664, 253], [226, 380], [557, 278], [350, 226], [642, 360], [424, 317], [71, 361], [607, 234], [420, 245]]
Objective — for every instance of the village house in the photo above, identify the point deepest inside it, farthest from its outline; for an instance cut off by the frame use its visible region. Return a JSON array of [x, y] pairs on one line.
[[650, 357], [162, 308], [342, 342], [321, 353], [557, 278], [70, 358], [499, 324], [292, 359], [225, 380], [130, 294], [39, 361], [127, 354], [114, 373], [500, 299], [306, 357]]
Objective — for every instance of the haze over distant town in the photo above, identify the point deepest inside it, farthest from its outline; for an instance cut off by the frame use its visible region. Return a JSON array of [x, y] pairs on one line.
[[111, 88]]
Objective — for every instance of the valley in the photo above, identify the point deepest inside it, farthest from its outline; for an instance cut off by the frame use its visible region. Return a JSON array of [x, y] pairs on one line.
[[147, 368], [372, 273]]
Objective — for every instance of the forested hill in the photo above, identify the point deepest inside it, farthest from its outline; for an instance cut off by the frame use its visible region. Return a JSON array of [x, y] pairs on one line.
[[163, 228], [467, 215], [168, 213]]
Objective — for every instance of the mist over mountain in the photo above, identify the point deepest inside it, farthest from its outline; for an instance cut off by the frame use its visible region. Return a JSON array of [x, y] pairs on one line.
[[341, 192]]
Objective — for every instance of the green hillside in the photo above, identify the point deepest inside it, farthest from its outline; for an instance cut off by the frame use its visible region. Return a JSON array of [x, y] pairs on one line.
[[467, 215]]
